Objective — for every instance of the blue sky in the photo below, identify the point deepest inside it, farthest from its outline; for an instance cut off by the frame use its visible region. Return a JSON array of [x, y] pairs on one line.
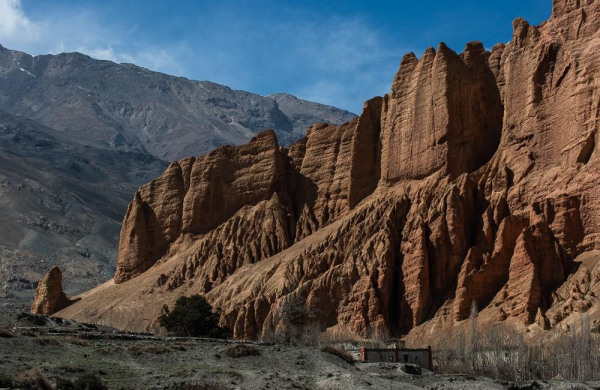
[[334, 52]]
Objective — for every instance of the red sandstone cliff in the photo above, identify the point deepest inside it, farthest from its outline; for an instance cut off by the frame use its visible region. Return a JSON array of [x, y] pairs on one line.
[[49, 295], [475, 179]]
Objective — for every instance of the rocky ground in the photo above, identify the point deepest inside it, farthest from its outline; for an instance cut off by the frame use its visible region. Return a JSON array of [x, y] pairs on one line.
[[64, 351]]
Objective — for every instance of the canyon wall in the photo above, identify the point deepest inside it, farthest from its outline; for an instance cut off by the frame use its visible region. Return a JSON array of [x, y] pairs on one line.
[[475, 180]]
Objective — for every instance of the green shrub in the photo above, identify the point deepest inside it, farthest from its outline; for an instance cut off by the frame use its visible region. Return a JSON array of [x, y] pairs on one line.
[[193, 316]]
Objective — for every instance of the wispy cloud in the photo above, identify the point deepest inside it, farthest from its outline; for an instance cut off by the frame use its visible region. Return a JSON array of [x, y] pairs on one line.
[[330, 59], [14, 24], [334, 60], [81, 32], [349, 59]]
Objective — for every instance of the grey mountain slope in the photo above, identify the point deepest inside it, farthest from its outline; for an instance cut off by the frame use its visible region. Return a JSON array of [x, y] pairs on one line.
[[61, 203], [126, 107], [95, 132], [303, 113]]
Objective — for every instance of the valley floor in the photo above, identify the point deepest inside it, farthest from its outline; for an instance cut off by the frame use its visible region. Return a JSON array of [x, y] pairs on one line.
[[61, 353]]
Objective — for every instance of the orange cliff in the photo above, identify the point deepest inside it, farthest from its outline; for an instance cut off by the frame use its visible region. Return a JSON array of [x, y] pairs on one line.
[[475, 179]]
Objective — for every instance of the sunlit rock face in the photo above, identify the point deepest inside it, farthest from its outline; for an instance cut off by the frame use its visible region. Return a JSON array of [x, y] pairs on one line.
[[474, 180]]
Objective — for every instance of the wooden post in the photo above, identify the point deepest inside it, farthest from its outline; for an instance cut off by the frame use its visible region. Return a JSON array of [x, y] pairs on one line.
[[430, 360]]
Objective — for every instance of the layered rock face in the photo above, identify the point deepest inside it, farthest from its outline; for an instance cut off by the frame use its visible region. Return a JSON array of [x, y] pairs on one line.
[[443, 114], [49, 295], [195, 196], [474, 180]]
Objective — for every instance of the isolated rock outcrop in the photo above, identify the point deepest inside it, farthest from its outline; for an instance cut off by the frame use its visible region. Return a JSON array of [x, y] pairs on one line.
[[474, 180], [49, 295]]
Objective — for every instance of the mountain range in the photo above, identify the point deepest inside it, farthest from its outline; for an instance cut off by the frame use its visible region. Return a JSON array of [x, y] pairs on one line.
[[78, 136]]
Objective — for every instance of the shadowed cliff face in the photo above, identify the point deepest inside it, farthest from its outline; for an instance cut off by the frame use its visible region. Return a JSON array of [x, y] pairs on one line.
[[474, 180]]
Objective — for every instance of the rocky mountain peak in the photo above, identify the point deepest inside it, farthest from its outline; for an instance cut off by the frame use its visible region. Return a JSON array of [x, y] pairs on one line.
[[130, 108]]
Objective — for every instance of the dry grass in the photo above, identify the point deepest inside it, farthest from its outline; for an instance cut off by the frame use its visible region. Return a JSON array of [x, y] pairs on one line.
[[503, 353], [153, 350], [343, 337], [71, 369], [85, 382], [32, 379], [48, 341], [204, 385], [341, 334], [241, 350], [77, 341], [339, 353]]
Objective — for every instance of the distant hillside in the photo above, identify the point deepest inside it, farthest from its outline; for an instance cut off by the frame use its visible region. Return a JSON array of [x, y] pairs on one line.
[[129, 108], [62, 203], [95, 132], [303, 113]]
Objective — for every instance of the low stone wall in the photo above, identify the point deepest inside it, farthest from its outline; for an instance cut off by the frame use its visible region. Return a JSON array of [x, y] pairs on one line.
[[419, 357]]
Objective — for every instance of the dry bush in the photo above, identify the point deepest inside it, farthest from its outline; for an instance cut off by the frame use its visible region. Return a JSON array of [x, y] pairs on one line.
[[77, 341], [110, 350], [296, 323], [46, 341], [241, 350], [6, 382], [153, 350], [502, 353], [341, 334], [203, 385], [32, 379], [71, 369], [89, 382], [377, 338], [85, 382], [339, 353]]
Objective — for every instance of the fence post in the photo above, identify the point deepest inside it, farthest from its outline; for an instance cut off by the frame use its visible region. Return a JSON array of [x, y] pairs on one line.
[[430, 358]]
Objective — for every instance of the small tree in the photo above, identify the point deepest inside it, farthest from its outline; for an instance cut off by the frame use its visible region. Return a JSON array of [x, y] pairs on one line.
[[193, 316], [297, 323], [474, 337]]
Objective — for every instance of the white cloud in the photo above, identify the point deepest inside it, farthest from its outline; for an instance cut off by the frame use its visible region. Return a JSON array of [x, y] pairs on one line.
[[77, 31], [14, 24], [349, 60], [325, 58]]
